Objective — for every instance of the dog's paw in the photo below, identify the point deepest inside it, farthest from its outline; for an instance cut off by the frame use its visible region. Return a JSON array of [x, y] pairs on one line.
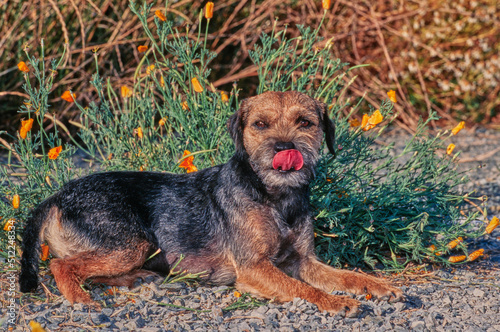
[[342, 305], [381, 289]]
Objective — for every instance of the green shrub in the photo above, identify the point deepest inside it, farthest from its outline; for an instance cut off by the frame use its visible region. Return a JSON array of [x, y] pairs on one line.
[[370, 204]]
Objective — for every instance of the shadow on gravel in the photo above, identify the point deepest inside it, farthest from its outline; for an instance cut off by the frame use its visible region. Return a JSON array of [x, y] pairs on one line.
[[413, 302]]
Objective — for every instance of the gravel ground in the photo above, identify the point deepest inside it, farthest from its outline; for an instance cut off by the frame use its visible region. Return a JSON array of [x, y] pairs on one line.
[[462, 299]]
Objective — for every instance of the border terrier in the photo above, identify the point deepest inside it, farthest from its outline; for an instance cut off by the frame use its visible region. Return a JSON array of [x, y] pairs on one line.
[[244, 223]]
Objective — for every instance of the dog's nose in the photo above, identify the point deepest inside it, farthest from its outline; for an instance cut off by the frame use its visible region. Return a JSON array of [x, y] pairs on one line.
[[280, 146]]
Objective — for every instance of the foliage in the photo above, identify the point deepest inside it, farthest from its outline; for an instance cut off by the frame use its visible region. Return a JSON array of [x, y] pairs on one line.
[[370, 204]]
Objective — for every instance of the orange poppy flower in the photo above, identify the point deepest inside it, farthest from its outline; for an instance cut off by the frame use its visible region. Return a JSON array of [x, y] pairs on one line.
[[142, 48], [68, 96], [54, 152], [456, 259], [459, 127], [455, 243], [392, 96], [196, 85], [45, 252], [150, 69], [450, 148], [26, 126], [36, 327], [355, 122], [23, 67], [125, 91], [185, 106], [15, 201], [187, 163], [237, 294], [139, 132], [8, 225], [476, 254], [162, 121], [326, 4], [160, 15], [224, 97], [492, 225], [370, 122], [209, 10]]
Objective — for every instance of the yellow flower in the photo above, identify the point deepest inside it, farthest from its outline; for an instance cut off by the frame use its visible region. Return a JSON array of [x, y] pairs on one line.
[[54, 152], [162, 81], [369, 122], [139, 132], [45, 252], [142, 48], [455, 243], [209, 10], [160, 15], [476, 254], [492, 225], [456, 259], [150, 69], [450, 148], [392, 96], [459, 127], [23, 67], [16, 200], [36, 327], [326, 4], [162, 121], [125, 91], [368, 296], [196, 85], [68, 96], [187, 163], [237, 294], [185, 106], [26, 126], [224, 97]]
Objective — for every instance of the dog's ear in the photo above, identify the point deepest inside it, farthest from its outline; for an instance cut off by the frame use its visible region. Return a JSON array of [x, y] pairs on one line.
[[235, 127], [328, 127]]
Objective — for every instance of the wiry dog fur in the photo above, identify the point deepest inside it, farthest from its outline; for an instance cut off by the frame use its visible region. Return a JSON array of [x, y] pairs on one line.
[[243, 222]]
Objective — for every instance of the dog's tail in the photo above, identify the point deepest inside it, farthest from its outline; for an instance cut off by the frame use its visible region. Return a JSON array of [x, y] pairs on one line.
[[28, 278]]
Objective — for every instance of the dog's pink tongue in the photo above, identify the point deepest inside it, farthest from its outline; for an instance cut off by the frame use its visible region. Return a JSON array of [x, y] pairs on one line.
[[288, 159]]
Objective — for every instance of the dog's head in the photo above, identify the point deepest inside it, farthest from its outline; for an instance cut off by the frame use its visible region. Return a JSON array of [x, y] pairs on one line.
[[281, 133]]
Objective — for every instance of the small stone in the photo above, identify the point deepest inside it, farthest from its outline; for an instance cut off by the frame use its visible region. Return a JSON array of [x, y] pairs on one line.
[[399, 306], [418, 325], [217, 312], [478, 293], [107, 311]]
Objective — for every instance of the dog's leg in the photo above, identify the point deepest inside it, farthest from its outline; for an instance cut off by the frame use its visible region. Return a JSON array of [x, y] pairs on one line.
[[124, 280], [265, 280], [328, 279], [70, 272]]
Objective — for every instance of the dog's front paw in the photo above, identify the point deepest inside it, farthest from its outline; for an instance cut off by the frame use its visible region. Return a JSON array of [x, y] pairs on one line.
[[380, 289], [335, 304]]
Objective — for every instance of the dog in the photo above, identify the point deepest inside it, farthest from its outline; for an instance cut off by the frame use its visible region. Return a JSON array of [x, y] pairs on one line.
[[245, 223]]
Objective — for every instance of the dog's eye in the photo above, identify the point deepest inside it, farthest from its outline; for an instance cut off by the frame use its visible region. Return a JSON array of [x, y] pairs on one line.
[[305, 123], [260, 124]]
